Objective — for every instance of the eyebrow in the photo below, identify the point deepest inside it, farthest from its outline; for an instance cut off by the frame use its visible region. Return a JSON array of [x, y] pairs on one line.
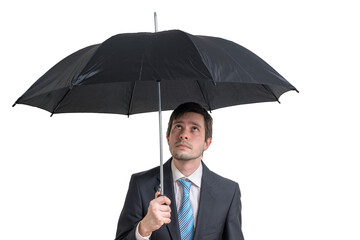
[[193, 123]]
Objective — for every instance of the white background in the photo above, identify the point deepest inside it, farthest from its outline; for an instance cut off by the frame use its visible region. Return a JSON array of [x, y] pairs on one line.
[[66, 177]]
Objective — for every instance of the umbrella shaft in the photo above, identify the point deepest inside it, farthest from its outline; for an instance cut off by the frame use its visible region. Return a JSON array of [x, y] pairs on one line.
[[161, 142]]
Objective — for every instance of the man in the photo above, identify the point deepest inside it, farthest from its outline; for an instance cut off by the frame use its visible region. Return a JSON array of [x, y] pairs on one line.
[[198, 204]]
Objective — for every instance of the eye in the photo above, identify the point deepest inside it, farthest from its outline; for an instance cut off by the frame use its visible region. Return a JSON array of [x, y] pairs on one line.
[[177, 127], [195, 129]]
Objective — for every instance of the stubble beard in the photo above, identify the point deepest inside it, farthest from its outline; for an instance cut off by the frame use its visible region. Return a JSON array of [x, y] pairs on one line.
[[186, 156]]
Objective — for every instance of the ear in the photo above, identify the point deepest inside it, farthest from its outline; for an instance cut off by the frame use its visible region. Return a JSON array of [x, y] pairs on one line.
[[167, 137], [207, 143]]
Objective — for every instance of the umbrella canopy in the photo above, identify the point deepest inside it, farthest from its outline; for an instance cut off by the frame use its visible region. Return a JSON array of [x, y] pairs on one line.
[[121, 75]]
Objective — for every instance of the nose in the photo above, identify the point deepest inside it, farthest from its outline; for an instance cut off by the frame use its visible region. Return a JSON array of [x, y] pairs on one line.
[[184, 135]]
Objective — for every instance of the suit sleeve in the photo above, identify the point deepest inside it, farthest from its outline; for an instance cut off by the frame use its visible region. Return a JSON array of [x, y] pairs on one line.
[[232, 230], [131, 214]]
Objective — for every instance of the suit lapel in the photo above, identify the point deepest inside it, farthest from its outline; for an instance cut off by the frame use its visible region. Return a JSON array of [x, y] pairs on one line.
[[207, 195], [173, 226]]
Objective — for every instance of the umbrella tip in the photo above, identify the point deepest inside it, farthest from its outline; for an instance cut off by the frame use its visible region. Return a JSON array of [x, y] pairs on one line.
[[155, 22], [14, 105]]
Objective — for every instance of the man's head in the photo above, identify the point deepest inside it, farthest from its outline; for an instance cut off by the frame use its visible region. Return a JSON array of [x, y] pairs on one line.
[[189, 132]]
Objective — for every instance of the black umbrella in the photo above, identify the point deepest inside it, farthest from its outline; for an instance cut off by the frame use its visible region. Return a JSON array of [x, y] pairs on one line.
[[126, 74]]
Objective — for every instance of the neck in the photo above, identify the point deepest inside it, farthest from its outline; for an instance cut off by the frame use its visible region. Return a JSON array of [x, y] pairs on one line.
[[187, 167]]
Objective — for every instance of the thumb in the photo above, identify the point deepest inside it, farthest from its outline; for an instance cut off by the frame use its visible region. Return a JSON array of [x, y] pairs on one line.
[[157, 194]]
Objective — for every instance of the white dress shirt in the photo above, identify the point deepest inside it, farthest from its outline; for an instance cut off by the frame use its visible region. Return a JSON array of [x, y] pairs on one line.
[[195, 178]]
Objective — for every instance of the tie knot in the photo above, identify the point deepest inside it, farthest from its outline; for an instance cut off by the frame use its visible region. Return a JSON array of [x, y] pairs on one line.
[[186, 184]]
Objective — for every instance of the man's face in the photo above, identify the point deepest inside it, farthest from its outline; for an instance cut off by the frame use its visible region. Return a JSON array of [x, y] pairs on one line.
[[187, 137]]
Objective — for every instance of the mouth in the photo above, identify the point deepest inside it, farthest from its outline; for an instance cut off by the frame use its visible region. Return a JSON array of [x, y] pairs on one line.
[[183, 144]]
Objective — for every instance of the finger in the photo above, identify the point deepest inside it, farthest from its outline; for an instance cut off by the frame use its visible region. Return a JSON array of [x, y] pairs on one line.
[[167, 201], [163, 200], [165, 215], [167, 220], [165, 208], [157, 194]]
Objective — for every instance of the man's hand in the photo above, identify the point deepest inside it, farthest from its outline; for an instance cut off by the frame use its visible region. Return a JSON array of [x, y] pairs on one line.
[[158, 214]]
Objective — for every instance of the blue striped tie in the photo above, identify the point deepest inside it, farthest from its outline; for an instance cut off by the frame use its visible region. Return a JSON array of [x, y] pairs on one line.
[[185, 214]]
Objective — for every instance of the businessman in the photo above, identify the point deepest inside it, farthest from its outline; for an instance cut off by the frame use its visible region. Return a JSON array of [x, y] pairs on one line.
[[198, 204]]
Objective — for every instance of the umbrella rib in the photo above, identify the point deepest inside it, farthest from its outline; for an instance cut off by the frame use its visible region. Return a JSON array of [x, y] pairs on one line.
[[131, 99], [272, 93], [203, 95], [133, 89], [58, 104]]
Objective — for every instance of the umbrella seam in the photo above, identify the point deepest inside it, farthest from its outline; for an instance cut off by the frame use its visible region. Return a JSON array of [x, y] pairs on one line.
[[231, 57], [198, 52], [75, 78]]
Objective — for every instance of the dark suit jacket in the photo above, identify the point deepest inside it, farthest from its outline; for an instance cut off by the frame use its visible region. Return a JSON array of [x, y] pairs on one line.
[[219, 213]]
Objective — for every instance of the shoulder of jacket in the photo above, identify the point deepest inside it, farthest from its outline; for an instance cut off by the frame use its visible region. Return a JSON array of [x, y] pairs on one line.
[[146, 174], [224, 180]]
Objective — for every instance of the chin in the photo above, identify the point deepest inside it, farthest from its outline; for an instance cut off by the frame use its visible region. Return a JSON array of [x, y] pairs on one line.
[[184, 157]]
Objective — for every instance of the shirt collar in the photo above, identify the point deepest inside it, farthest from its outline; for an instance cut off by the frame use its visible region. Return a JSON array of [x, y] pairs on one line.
[[195, 178]]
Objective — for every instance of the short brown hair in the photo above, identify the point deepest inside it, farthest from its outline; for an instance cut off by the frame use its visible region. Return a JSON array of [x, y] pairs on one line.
[[195, 108]]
